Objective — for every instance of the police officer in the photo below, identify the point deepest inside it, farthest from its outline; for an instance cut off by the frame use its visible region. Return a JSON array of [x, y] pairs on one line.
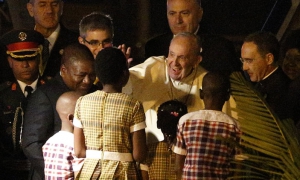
[[23, 49]]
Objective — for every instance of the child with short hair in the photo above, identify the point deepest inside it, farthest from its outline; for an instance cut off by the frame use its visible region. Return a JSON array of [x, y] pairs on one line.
[[58, 151], [201, 152]]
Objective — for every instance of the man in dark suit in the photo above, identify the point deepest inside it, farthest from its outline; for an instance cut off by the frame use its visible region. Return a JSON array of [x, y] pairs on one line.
[[41, 118], [260, 54], [47, 15], [184, 16], [23, 56]]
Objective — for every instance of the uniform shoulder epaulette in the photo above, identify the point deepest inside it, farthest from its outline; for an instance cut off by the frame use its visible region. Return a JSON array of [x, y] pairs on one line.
[[5, 85], [43, 80]]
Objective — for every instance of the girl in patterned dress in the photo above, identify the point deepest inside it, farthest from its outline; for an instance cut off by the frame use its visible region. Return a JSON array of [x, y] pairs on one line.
[[160, 162], [109, 125]]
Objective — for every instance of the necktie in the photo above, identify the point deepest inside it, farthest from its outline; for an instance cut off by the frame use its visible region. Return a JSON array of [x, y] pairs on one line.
[[45, 56], [29, 90]]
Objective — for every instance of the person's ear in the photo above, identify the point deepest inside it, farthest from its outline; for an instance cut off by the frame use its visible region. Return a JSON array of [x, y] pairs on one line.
[[10, 61], [63, 70], [201, 94], [270, 58], [200, 14], [80, 40], [198, 61], [70, 117], [30, 9]]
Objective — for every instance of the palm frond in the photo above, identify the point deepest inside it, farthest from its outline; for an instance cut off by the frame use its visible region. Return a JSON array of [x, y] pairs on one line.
[[271, 145]]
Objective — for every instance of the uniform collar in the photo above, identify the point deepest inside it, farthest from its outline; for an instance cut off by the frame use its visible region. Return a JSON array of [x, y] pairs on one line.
[[23, 85]]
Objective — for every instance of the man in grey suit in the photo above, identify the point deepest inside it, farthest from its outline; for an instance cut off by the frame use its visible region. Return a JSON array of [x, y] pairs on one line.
[[41, 118]]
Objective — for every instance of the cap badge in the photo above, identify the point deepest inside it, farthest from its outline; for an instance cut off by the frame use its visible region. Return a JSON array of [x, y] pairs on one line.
[[22, 36]]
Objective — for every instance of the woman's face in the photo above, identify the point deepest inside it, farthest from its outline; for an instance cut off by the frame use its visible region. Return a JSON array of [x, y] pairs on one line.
[[291, 63]]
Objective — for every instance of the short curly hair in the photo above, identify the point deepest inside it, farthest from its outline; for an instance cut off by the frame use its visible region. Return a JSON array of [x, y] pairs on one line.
[[168, 115], [110, 65]]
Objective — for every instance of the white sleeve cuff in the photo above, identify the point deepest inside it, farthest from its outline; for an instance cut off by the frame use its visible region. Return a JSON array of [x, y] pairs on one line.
[[144, 167], [180, 151], [77, 123], [137, 127]]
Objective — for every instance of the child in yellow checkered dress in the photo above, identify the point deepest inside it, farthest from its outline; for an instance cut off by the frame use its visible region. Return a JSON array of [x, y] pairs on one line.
[[160, 162], [109, 125]]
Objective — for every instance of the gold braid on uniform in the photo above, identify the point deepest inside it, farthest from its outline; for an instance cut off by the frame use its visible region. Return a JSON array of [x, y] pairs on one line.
[[14, 126], [11, 53]]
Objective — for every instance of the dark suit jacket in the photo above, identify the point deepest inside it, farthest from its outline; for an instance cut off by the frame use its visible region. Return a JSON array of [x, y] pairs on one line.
[[294, 101], [41, 122], [218, 53], [65, 37], [11, 98], [275, 91]]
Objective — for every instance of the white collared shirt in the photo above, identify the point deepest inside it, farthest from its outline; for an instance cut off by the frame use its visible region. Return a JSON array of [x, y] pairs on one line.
[[270, 73], [52, 38], [23, 85]]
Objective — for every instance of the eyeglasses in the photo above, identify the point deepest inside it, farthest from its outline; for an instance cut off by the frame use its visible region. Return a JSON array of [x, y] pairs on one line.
[[247, 61], [96, 43]]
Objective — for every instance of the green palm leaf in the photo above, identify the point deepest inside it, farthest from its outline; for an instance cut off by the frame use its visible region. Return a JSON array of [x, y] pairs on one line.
[[271, 145]]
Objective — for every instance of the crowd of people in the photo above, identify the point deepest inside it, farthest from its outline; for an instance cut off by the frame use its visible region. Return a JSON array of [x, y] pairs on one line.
[[72, 106]]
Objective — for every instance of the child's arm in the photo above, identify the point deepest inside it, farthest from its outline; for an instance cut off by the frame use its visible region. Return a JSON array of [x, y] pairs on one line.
[[79, 143], [139, 145], [145, 175], [179, 162], [144, 171]]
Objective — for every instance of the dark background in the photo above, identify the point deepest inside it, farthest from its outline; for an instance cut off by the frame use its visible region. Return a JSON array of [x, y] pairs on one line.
[[136, 21]]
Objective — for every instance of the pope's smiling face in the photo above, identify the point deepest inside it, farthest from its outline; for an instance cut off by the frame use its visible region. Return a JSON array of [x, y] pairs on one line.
[[182, 58]]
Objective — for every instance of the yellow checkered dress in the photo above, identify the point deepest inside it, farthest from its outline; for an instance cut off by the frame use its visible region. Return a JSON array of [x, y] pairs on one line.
[[108, 119], [161, 162]]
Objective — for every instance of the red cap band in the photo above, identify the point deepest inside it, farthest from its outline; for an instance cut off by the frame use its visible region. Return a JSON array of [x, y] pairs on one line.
[[22, 45]]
